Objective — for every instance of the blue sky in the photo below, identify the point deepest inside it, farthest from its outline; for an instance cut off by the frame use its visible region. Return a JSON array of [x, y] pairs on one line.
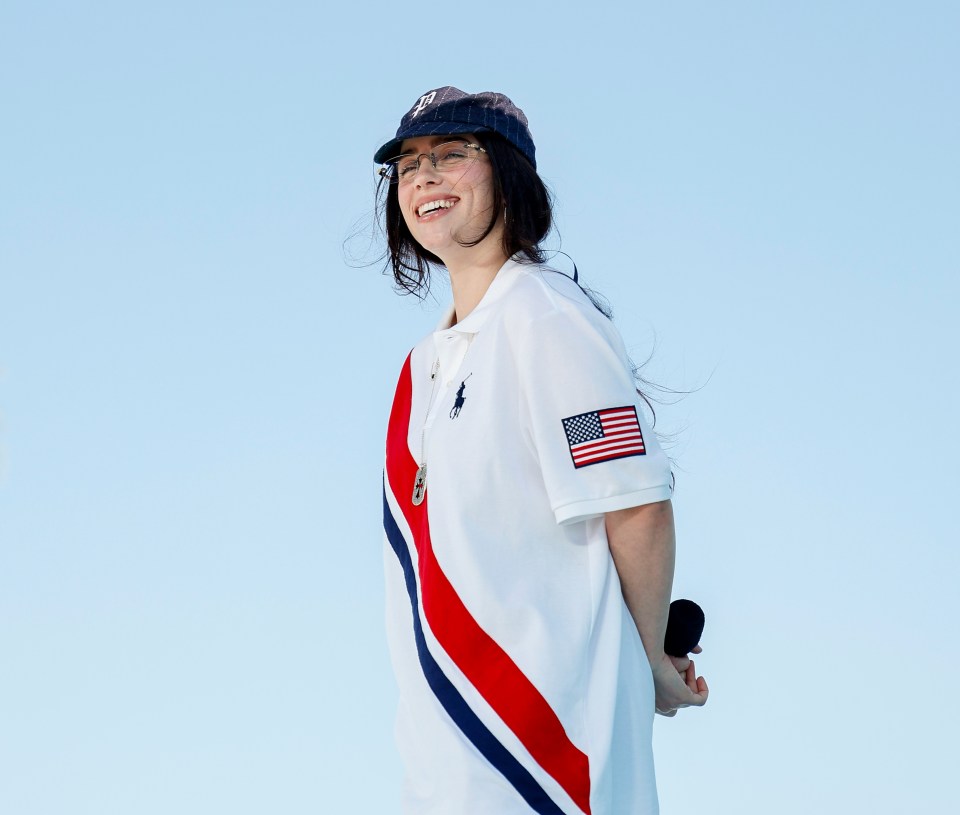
[[195, 378]]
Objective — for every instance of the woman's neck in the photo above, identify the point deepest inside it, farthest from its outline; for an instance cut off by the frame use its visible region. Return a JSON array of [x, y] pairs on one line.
[[471, 276]]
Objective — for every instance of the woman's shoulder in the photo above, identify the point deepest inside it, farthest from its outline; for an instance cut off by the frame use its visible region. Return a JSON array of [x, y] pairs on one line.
[[541, 291], [545, 302], [545, 295]]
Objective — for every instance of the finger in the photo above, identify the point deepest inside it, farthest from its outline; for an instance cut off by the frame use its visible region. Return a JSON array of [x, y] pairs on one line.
[[680, 663], [701, 692], [697, 650]]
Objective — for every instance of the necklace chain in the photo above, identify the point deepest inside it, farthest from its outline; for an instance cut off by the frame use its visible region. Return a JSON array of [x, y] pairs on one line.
[[420, 481]]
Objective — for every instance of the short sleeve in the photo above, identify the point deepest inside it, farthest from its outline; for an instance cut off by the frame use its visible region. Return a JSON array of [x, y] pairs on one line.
[[584, 418]]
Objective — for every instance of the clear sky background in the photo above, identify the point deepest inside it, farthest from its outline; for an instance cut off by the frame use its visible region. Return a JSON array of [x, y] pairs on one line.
[[194, 382]]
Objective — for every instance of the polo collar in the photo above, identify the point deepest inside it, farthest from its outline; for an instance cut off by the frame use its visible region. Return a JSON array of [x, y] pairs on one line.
[[499, 286]]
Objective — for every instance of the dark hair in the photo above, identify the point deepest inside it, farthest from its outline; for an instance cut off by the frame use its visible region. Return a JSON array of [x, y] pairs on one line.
[[519, 196]]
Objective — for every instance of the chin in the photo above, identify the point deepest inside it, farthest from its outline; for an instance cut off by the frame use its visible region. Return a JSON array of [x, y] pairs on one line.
[[435, 243], [433, 247]]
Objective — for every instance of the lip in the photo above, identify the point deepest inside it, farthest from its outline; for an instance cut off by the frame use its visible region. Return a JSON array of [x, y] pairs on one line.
[[435, 213]]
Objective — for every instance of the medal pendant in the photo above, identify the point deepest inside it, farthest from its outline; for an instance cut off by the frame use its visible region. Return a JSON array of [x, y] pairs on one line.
[[420, 485]]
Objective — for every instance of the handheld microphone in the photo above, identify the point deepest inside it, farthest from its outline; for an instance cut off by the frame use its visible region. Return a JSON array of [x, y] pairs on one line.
[[684, 627]]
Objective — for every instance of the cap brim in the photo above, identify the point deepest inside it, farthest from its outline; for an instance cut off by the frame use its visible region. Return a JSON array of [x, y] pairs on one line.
[[392, 148]]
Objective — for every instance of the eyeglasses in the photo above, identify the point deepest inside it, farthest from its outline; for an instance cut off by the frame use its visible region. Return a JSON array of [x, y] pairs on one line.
[[445, 158]]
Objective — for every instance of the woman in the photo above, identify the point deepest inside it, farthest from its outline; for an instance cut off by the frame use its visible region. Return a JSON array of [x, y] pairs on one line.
[[526, 504]]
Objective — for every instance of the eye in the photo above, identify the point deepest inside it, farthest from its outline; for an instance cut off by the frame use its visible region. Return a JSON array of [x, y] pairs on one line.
[[452, 152], [406, 165]]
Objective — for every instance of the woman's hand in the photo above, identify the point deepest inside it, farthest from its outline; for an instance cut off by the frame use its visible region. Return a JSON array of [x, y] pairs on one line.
[[682, 663], [676, 684]]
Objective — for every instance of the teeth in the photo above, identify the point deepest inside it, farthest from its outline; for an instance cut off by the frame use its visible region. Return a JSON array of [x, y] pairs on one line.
[[430, 206]]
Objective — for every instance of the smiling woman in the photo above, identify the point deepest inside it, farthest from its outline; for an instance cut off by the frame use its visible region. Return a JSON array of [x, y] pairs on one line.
[[517, 215], [447, 201], [529, 570]]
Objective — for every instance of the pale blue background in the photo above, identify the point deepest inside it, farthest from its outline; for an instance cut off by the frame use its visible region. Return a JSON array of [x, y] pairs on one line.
[[194, 383]]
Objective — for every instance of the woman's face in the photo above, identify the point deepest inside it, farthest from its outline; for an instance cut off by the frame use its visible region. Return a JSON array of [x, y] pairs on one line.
[[465, 196]]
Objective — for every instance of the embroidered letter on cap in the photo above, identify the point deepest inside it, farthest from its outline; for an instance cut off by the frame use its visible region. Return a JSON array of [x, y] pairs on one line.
[[425, 100], [602, 435]]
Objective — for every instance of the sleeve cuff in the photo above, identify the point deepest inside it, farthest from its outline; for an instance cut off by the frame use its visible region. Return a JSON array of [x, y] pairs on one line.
[[582, 510]]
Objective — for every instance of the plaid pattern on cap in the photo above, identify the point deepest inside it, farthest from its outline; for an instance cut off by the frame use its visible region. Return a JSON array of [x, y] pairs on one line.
[[450, 110]]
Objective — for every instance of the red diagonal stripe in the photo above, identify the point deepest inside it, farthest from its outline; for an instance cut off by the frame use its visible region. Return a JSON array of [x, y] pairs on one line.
[[483, 662]]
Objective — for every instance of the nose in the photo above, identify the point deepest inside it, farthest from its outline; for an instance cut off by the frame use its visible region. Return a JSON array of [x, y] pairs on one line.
[[426, 171]]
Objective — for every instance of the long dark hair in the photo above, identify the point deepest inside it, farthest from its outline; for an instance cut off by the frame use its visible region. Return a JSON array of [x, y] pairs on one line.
[[519, 196]]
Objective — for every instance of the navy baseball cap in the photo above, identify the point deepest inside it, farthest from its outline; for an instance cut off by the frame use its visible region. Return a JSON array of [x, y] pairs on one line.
[[450, 110]]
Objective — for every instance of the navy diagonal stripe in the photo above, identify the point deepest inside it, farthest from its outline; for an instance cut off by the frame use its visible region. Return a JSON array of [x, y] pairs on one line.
[[455, 705]]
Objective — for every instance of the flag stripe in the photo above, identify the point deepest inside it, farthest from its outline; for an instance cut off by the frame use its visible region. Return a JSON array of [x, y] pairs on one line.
[[606, 456], [482, 661], [619, 413], [613, 438], [617, 423], [635, 441]]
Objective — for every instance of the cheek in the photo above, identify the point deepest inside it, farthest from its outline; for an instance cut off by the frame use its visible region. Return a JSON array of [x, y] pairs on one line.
[[482, 188], [403, 200]]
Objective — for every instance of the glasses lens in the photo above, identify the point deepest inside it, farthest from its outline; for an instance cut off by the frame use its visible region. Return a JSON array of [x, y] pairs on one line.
[[445, 157], [400, 168], [454, 154]]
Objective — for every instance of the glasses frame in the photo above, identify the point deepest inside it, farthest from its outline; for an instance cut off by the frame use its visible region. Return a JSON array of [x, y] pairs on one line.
[[389, 168]]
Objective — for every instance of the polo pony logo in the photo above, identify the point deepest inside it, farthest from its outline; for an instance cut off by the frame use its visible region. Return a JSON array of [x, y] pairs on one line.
[[425, 100], [459, 401]]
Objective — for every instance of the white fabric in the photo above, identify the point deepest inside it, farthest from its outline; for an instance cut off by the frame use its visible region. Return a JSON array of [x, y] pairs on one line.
[[518, 531]]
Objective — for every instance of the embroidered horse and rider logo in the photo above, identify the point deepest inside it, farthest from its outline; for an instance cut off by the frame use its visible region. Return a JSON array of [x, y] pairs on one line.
[[458, 402]]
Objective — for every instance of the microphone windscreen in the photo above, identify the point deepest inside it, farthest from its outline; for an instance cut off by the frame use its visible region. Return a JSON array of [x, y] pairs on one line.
[[684, 628]]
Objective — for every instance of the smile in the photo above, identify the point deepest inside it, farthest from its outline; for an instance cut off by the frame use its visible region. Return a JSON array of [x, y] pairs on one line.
[[433, 206]]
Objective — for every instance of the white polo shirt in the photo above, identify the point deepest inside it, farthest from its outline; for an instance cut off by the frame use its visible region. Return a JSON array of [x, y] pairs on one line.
[[524, 686]]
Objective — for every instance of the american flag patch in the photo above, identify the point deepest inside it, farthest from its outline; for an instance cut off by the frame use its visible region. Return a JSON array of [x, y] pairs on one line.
[[602, 435]]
